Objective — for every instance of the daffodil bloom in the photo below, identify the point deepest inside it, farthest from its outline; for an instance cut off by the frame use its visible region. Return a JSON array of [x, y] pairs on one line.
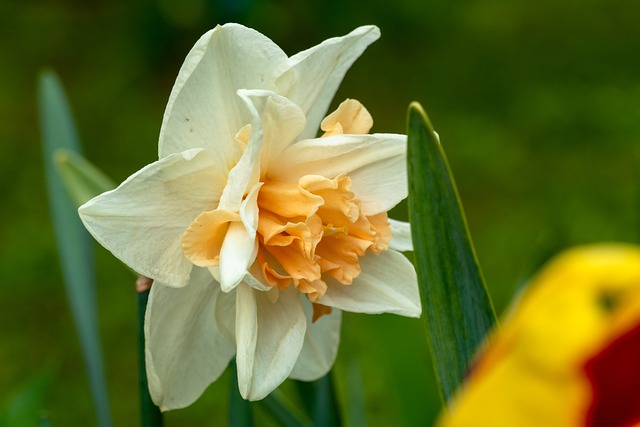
[[256, 232], [569, 354]]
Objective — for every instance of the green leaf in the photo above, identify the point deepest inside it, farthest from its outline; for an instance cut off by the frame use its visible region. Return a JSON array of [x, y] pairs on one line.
[[326, 412], [320, 401], [240, 412], [44, 421], [81, 178], [74, 245], [24, 406], [355, 407], [457, 309], [283, 412], [150, 415]]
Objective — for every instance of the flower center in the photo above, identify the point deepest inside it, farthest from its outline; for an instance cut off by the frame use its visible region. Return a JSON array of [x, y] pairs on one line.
[[309, 231], [313, 229]]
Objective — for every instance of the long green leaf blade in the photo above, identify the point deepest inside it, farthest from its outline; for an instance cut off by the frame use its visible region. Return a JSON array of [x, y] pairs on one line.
[[320, 401], [74, 245], [325, 411], [457, 308], [284, 414], [150, 415], [355, 407], [240, 411]]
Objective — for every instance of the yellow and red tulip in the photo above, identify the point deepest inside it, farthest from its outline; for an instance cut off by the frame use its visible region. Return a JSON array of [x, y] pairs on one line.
[[568, 354]]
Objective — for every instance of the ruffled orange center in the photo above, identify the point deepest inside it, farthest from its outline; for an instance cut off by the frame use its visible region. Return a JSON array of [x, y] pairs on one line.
[[313, 229], [308, 231]]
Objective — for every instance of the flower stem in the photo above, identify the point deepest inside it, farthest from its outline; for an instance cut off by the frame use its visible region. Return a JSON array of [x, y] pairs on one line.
[[282, 413], [320, 401], [149, 412], [240, 413], [326, 411]]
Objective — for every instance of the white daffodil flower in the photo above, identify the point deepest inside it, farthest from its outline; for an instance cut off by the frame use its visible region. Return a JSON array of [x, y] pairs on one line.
[[256, 233]]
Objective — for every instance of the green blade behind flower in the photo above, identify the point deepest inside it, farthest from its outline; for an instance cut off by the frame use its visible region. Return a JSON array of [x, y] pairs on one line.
[[326, 411], [150, 415], [320, 401], [355, 407], [81, 178], [283, 412], [74, 245], [240, 411], [456, 305]]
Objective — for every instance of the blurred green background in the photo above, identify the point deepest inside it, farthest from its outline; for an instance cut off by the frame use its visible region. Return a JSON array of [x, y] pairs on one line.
[[537, 105]]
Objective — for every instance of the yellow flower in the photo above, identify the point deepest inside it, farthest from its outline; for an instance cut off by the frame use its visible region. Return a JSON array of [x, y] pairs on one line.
[[256, 232], [569, 354]]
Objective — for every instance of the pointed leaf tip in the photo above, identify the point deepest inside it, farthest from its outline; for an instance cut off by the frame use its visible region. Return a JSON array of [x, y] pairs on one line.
[[457, 309], [81, 178]]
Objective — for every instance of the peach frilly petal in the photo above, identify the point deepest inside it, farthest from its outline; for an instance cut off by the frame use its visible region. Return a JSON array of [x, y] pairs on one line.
[[288, 199], [202, 241], [351, 117]]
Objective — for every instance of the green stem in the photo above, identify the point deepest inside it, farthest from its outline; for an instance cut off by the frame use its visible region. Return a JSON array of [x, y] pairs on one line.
[[240, 413], [150, 413], [281, 413], [325, 410], [319, 399]]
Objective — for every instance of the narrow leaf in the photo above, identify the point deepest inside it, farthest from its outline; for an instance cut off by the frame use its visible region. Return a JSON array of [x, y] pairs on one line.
[[240, 413], [81, 178], [306, 395], [150, 415], [284, 414], [457, 309], [319, 399], [74, 245], [355, 408], [326, 411]]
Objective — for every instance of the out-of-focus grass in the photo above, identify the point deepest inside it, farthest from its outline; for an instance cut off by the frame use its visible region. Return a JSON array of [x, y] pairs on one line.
[[537, 105]]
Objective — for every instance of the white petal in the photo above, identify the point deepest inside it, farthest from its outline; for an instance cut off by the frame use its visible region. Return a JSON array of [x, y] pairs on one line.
[[238, 252], [400, 235], [246, 172], [141, 222], [240, 246], [375, 163], [225, 315], [185, 352], [387, 284], [254, 278], [203, 108], [249, 210], [320, 344], [282, 122], [269, 337], [382, 185], [215, 272], [275, 123], [311, 77]]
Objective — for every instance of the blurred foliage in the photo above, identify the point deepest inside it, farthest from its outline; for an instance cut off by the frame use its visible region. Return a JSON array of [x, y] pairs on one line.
[[536, 103], [74, 244]]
